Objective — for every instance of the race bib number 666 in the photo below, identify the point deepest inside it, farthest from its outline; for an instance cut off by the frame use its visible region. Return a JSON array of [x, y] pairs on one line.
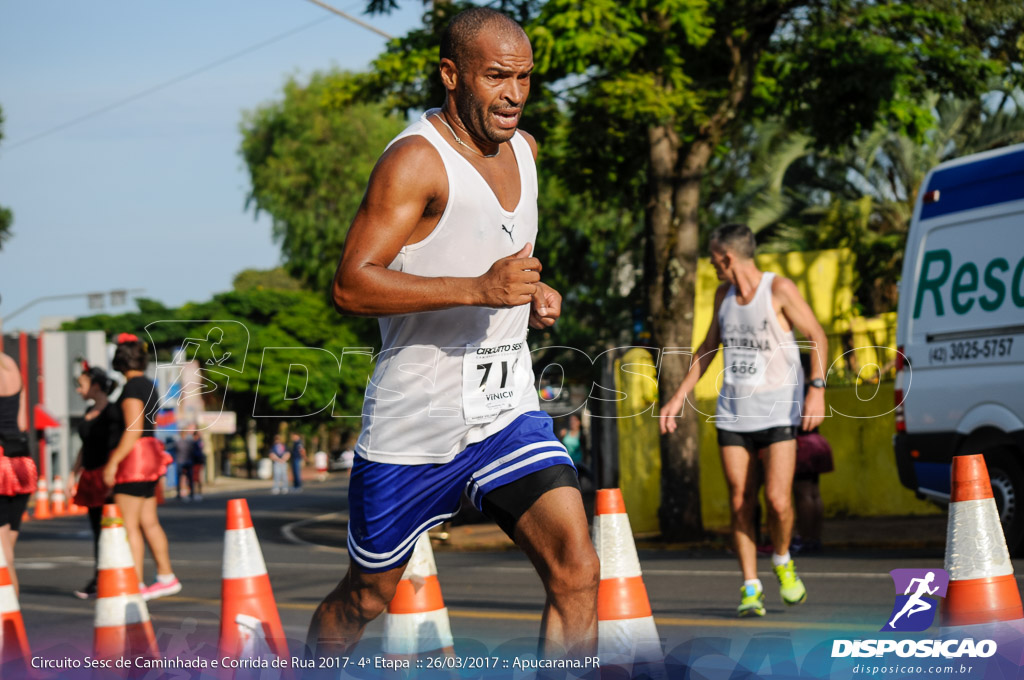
[[491, 380], [744, 366]]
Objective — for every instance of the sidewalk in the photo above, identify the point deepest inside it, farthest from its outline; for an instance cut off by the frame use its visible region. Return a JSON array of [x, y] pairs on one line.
[[226, 485]]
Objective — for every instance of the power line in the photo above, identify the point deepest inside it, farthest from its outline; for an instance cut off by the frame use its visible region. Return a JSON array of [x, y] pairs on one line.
[[355, 20], [191, 74]]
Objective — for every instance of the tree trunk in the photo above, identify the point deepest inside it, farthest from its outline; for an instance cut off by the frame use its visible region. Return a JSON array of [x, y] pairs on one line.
[[671, 253], [671, 263]]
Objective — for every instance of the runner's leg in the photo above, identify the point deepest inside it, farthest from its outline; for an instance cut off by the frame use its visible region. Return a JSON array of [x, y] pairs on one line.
[[341, 618], [554, 535], [779, 465], [741, 476], [131, 512]]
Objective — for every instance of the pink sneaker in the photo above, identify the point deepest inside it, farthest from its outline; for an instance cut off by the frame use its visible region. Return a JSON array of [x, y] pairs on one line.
[[160, 589]]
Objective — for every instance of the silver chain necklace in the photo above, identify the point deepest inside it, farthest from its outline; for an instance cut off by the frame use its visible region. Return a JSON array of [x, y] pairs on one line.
[[459, 141]]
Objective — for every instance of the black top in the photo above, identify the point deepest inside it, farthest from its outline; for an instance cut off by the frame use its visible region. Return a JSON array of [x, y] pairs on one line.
[[100, 436], [144, 390], [9, 412]]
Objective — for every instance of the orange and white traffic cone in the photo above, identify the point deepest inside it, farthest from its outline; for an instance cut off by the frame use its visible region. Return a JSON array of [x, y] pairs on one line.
[[122, 625], [58, 500], [417, 621], [14, 647], [42, 501], [250, 625], [626, 633], [982, 588]]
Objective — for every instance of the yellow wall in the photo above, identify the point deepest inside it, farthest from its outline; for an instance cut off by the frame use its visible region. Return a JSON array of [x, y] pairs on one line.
[[639, 455], [860, 428], [824, 278], [864, 483]]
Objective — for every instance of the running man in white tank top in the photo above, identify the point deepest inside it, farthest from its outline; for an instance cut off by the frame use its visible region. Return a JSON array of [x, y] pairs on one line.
[[761, 403], [441, 251]]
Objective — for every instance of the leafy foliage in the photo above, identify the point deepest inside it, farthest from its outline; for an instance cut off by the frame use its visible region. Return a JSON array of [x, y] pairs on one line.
[[260, 279], [862, 196], [286, 328], [309, 159], [6, 216]]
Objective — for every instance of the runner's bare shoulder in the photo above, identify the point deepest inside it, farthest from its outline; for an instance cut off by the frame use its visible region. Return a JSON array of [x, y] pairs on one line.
[[531, 141], [410, 169], [784, 286]]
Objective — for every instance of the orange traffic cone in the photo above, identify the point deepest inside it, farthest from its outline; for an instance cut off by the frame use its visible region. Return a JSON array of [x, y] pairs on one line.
[[626, 634], [13, 641], [58, 501], [42, 501], [417, 620], [982, 588], [250, 625], [122, 625]]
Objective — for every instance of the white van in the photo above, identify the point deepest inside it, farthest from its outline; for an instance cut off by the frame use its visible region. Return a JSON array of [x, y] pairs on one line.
[[960, 331]]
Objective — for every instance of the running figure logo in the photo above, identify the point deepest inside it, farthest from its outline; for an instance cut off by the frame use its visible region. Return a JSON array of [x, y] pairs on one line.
[[914, 609]]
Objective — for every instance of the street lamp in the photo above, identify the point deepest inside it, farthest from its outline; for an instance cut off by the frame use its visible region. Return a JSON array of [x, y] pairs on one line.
[[117, 297]]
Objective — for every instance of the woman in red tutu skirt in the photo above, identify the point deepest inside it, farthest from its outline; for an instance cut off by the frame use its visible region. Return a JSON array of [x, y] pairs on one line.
[[100, 431], [18, 474], [136, 465]]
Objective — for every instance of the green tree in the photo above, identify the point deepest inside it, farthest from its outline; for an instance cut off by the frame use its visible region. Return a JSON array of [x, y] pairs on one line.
[[862, 196], [309, 156], [680, 78], [264, 279], [6, 217], [286, 328], [655, 89]]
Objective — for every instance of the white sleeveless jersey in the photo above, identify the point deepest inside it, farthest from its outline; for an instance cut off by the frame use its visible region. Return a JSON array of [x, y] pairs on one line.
[[763, 381], [447, 379]]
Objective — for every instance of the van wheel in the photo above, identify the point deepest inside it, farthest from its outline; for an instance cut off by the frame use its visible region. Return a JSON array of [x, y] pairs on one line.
[[1008, 489]]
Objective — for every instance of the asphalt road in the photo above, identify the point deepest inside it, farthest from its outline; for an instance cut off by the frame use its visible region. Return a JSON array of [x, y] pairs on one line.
[[494, 597]]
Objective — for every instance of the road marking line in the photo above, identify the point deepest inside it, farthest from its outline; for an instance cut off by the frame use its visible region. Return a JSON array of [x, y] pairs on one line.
[[288, 531], [529, 616], [729, 571]]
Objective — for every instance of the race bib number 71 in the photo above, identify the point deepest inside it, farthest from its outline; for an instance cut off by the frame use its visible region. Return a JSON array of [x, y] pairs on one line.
[[491, 380]]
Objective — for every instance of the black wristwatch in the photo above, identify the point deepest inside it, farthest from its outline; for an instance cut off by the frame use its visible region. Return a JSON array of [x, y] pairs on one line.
[[819, 383]]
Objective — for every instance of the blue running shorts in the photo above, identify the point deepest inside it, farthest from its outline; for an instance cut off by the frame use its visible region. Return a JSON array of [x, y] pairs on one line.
[[391, 505]]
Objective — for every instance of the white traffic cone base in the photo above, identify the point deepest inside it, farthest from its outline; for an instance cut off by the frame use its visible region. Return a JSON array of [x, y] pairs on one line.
[[975, 546], [629, 641], [410, 634], [417, 621], [613, 541]]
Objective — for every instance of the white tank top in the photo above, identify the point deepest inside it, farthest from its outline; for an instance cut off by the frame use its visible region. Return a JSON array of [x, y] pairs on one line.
[[446, 379], [763, 382]]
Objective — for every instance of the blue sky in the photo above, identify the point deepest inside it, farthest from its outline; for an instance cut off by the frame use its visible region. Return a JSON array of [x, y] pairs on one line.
[[151, 194]]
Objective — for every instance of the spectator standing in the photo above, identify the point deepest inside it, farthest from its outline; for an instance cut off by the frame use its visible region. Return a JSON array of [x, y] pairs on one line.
[[136, 465], [813, 458], [183, 457], [197, 456], [298, 459], [18, 474], [320, 461], [279, 457], [100, 431]]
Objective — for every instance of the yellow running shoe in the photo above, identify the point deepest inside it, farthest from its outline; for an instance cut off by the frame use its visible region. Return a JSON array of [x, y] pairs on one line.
[[790, 586], [751, 601]]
